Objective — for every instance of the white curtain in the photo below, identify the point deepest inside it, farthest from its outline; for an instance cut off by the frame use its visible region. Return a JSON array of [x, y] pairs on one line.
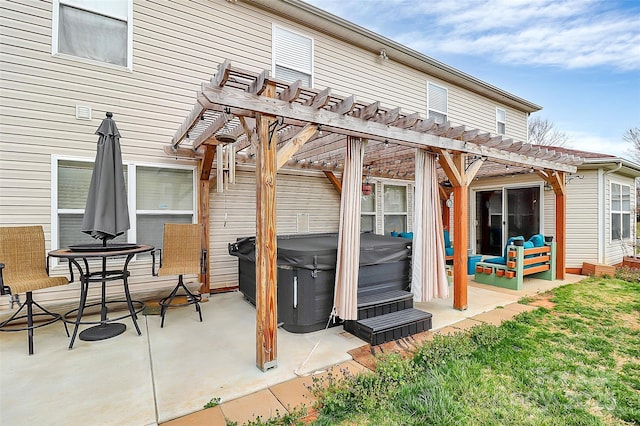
[[345, 300], [429, 275]]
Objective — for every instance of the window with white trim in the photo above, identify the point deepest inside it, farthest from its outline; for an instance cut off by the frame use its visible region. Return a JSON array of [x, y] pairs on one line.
[[437, 103], [394, 208], [501, 121], [156, 195], [94, 30], [368, 209], [292, 56], [620, 211]]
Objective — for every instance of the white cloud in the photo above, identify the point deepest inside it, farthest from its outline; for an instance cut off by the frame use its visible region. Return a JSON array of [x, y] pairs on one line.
[[563, 33], [585, 141]]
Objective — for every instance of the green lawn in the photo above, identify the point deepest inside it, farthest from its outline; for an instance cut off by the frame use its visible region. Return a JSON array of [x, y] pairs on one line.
[[576, 363]]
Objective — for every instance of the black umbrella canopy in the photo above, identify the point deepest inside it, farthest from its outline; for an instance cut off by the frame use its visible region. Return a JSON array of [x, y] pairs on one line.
[[106, 214]]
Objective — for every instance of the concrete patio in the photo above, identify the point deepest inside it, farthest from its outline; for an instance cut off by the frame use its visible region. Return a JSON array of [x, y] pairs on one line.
[[171, 373]]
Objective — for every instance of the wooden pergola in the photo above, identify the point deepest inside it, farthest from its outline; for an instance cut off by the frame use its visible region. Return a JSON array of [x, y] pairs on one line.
[[274, 124]]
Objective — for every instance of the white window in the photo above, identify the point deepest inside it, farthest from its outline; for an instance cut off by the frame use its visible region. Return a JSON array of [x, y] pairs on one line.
[[156, 195], [395, 208], [501, 121], [94, 30], [368, 208], [292, 56], [620, 211], [437, 103]]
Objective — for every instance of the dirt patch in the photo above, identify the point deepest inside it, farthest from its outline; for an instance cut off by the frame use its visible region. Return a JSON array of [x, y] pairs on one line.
[[630, 320], [543, 301], [364, 356], [367, 355]]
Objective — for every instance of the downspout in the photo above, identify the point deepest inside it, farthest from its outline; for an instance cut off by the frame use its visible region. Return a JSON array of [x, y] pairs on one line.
[[614, 170], [601, 230], [601, 210]]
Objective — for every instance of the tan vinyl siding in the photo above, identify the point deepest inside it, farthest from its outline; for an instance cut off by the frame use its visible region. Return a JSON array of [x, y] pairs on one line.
[[582, 220], [176, 46], [360, 72]]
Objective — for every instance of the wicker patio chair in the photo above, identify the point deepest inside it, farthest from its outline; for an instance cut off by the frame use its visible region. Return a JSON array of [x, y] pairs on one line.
[[181, 254], [24, 269]]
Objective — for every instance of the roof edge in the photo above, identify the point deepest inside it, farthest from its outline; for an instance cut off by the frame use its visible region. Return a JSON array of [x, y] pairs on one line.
[[352, 33], [630, 167]]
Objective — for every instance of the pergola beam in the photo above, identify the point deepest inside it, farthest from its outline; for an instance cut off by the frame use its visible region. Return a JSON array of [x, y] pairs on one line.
[[217, 98], [337, 184], [286, 152]]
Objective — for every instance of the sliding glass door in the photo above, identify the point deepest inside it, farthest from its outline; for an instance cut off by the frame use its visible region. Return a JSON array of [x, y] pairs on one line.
[[504, 213]]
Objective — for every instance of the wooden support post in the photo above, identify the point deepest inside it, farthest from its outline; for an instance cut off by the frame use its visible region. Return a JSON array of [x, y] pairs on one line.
[[556, 180], [561, 228], [266, 249], [203, 219], [460, 243], [204, 188], [446, 212], [454, 167], [446, 216]]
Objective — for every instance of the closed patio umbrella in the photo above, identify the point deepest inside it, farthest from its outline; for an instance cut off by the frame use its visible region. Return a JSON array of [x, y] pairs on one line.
[[106, 214]]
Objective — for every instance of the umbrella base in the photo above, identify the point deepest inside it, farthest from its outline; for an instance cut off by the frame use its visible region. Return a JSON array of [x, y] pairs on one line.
[[102, 332]]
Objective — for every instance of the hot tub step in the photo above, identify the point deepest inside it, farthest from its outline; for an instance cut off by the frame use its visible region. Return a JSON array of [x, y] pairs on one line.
[[374, 305], [392, 326]]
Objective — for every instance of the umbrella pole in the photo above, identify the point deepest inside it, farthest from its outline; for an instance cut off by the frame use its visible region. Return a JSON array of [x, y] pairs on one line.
[[105, 329], [103, 308]]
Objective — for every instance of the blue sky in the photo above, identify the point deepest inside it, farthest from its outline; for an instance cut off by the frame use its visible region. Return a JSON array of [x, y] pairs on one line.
[[578, 59]]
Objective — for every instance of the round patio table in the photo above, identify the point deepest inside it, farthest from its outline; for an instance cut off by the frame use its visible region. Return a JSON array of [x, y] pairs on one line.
[[80, 256]]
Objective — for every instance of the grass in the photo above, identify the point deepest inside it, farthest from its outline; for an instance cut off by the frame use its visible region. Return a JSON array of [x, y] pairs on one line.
[[577, 363]]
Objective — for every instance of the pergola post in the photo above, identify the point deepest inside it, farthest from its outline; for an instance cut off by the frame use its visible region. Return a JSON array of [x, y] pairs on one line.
[[204, 186], [266, 249], [460, 239], [561, 226], [556, 180], [460, 174]]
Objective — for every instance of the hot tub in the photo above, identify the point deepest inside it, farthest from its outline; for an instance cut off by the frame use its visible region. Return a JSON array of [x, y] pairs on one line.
[[306, 273]]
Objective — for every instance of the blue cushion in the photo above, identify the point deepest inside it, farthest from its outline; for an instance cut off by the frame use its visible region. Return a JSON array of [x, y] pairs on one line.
[[511, 240], [537, 240], [528, 244], [447, 239], [448, 251], [394, 234], [408, 235], [496, 260]]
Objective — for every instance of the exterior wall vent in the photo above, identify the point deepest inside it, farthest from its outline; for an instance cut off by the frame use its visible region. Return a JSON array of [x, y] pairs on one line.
[[83, 112], [302, 222]]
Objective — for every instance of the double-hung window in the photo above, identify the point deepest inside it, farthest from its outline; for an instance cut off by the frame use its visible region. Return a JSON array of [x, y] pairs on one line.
[[292, 56], [98, 31], [437, 103], [395, 208], [501, 121], [156, 195], [620, 211]]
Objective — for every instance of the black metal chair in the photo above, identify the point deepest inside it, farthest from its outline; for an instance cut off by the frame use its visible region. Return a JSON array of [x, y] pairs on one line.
[[181, 254], [24, 270]]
